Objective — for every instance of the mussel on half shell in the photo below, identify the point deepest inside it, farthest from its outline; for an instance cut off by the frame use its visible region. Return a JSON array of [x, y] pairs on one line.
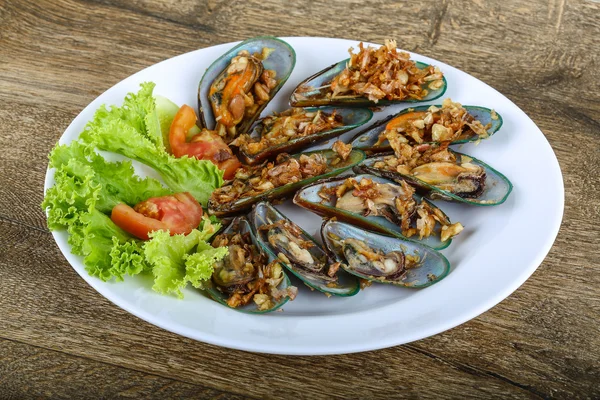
[[442, 173], [373, 77], [248, 279], [383, 259], [378, 204], [295, 129], [238, 85], [300, 253], [448, 122], [278, 179]]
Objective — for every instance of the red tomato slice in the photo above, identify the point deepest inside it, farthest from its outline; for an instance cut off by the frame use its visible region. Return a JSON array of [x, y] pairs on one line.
[[135, 223], [206, 145], [179, 213]]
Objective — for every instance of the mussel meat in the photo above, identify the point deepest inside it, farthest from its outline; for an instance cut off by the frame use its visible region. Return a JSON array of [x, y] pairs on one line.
[[431, 165], [368, 198], [239, 91], [441, 173], [373, 76], [286, 238], [465, 180], [360, 257]]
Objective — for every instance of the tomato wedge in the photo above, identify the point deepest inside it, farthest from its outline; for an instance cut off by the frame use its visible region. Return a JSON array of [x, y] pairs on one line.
[[178, 213], [206, 145]]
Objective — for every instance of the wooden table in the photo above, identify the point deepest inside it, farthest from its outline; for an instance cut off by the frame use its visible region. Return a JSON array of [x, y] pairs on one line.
[[61, 339]]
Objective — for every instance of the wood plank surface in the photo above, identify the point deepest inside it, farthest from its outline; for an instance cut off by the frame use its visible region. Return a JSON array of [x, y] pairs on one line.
[[28, 371], [61, 339]]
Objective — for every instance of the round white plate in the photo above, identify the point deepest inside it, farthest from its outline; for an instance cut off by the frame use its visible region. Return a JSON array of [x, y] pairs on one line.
[[499, 249]]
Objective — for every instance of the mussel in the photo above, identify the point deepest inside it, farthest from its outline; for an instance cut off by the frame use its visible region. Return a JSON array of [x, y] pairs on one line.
[[300, 253], [295, 129], [248, 275], [373, 77], [442, 174], [378, 204], [449, 121], [383, 259], [279, 179], [239, 85]]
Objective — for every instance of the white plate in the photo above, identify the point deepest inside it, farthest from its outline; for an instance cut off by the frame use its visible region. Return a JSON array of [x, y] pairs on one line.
[[499, 249]]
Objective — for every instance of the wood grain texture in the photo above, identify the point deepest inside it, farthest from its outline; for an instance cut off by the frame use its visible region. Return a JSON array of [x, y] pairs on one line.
[[57, 56], [32, 372]]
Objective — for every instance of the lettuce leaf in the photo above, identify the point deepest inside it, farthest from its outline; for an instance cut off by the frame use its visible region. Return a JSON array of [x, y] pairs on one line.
[[87, 187], [68, 198], [108, 250], [126, 258], [141, 139], [85, 174], [179, 259], [138, 111]]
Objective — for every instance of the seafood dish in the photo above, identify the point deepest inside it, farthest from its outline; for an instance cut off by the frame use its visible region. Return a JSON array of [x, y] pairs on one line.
[[378, 204], [300, 253], [441, 173], [448, 122], [209, 221], [239, 85], [247, 275], [295, 129], [280, 178], [383, 259], [373, 76]]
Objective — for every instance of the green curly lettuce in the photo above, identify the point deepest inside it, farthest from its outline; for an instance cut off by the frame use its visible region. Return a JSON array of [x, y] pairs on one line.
[[141, 139], [87, 187], [138, 111], [179, 259], [107, 250], [82, 174]]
